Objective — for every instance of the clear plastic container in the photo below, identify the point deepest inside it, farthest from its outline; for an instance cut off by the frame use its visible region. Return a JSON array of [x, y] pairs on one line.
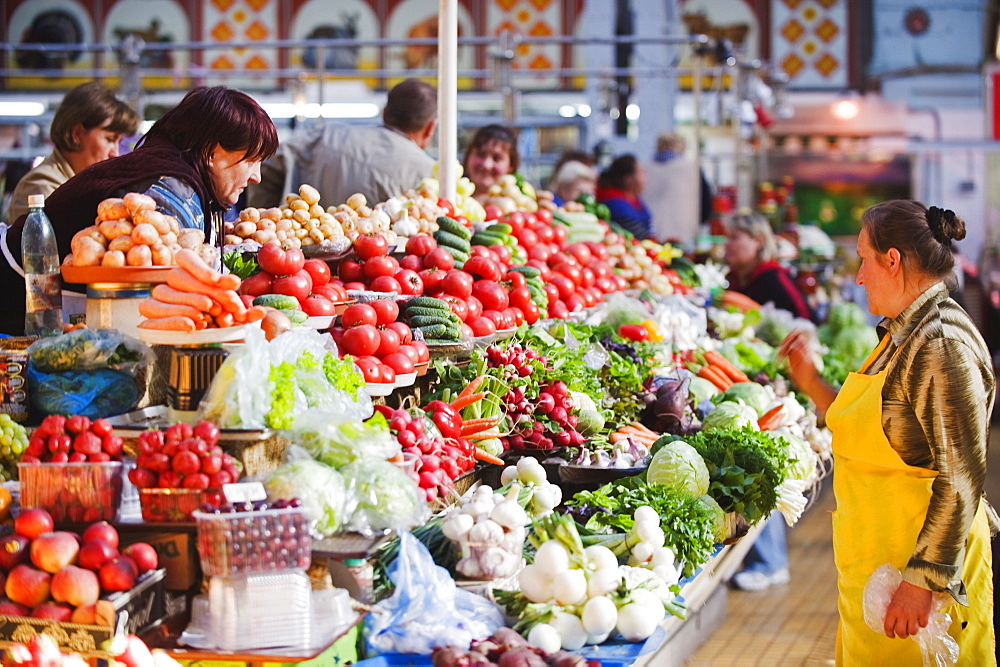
[[253, 611], [261, 541], [80, 492]]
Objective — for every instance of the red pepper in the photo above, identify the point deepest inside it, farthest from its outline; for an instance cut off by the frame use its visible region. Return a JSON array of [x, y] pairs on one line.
[[633, 332], [441, 406], [450, 426]]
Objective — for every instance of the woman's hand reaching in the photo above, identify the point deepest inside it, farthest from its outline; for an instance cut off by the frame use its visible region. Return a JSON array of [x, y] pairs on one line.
[[799, 349]]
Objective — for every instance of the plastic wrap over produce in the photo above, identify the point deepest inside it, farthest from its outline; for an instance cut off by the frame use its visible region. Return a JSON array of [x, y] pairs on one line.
[[427, 609], [936, 646]]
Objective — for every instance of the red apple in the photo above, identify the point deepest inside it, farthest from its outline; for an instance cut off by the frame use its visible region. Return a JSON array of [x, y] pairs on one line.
[[143, 555], [118, 574], [52, 552], [94, 554], [9, 608], [28, 586], [52, 611], [102, 530], [76, 586], [14, 551], [33, 522]]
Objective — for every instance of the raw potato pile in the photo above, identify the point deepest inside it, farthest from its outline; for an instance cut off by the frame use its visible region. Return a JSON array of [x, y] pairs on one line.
[[635, 265], [414, 212], [129, 231]]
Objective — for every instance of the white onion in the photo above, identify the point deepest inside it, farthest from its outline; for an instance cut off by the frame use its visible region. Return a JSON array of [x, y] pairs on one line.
[[662, 556], [600, 615], [648, 599], [552, 558], [535, 584], [650, 533], [646, 514], [601, 557], [604, 581], [570, 629], [530, 471], [635, 623], [508, 475], [545, 637], [643, 551], [570, 587]]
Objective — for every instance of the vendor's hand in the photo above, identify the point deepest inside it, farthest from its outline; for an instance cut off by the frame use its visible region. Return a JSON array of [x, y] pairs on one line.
[[908, 611], [798, 348]]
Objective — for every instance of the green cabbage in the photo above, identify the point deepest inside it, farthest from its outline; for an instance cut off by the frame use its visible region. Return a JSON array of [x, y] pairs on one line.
[[387, 498], [751, 393], [845, 315], [701, 389], [721, 531], [730, 416], [589, 418], [802, 458], [320, 487], [677, 465]]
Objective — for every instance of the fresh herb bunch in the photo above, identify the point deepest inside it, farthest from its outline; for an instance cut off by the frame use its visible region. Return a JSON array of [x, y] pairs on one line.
[[745, 466], [240, 265], [688, 524]]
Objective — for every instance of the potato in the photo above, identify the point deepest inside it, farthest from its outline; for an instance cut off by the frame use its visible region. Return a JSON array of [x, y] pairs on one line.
[[306, 240], [267, 225], [290, 197], [94, 233], [363, 212], [208, 254], [145, 234], [286, 213], [87, 252], [264, 236], [175, 226], [343, 217], [246, 229], [301, 233], [232, 239], [155, 218], [272, 214], [168, 239], [228, 227], [298, 205], [283, 225], [308, 193], [315, 210], [357, 200], [112, 229], [112, 209], [136, 202], [162, 256], [317, 236], [122, 243], [300, 215], [294, 242], [311, 224], [250, 214], [139, 255], [191, 238], [113, 258]]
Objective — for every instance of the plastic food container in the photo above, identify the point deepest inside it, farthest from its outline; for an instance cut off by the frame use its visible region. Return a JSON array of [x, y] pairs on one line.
[[81, 492], [174, 504], [252, 611], [242, 542]]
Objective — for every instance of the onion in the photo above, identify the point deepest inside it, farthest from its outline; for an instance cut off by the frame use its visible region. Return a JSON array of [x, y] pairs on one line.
[[545, 637], [635, 623], [551, 558], [604, 581], [646, 514], [535, 584], [570, 629], [601, 557], [600, 615], [570, 587], [275, 323]]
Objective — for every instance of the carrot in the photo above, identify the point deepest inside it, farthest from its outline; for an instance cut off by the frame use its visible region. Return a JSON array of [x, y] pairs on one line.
[[635, 435], [224, 320], [739, 301], [255, 313], [771, 419], [484, 435], [645, 429], [488, 458], [190, 261], [183, 281], [726, 366], [618, 436], [467, 399], [471, 387], [229, 281], [707, 372], [478, 425], [174, 323], [154, 308], [168, 294]]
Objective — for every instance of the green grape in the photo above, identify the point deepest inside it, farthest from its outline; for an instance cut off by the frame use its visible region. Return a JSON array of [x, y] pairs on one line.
[[13, 441]]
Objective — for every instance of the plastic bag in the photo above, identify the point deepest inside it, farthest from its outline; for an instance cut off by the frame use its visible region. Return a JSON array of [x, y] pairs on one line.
[[89, 349], [323, 491], [336, 439], [936, 646], [427, 609], [93, 394], [386, 497]]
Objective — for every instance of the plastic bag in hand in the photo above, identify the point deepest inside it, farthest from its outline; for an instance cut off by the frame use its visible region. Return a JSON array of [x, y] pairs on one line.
[[427, 609], [936, 646]]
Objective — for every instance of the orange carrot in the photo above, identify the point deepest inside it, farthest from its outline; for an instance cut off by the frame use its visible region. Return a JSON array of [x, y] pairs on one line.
[[154, 308], [196, 266], [488, 458], [182, 280], [467, 399], [471, 387], [484, 435], [727, 366], [771, 419], [172, 323], [473, 426], [645, 429], [707, 372]]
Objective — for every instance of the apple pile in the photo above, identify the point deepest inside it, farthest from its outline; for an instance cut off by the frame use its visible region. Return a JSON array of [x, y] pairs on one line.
[[382, 346], [74, 439], [436, 461], [183, 457], [375, 270], [289, 273], [61, 576]]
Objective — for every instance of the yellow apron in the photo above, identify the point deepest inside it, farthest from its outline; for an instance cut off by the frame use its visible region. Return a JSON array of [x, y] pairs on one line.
[[881, 506]]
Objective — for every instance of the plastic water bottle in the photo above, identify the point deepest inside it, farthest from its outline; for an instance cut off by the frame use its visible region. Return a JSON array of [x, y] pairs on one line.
[[43, 286]]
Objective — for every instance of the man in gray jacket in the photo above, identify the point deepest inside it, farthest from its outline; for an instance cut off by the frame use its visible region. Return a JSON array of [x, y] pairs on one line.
[[339, 159]]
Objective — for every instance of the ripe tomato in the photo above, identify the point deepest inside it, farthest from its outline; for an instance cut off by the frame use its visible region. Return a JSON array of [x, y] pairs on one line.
[[399, 363], [490, 294], [439, 258], [457, 283], [449, 208], [318, 306], [432, 279], [563, 284], [358, 314], [386, 311], [515, 279], [388, 375], [410, 352], [516, 314], [409, 282], [527, 238], [519, 296], [422, 352], [458, 306], [501, 319], [531, 313], [544, 232], [278, 262], [351, 271], [370, 368], [483, 326], [571, 271], [259, 283], [403, 330], [368, 246], [298, 285], [386, 284], [318, 270], [517, 220], [380, 266], [502, 252], [559, 234], [475, 307], [483, 268], [493, 212], [412, 262], [420, 244], [544, 216], [361, 340], [388, 343]]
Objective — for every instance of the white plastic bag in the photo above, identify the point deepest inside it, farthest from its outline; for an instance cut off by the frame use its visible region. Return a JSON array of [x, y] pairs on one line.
[[936, 646]]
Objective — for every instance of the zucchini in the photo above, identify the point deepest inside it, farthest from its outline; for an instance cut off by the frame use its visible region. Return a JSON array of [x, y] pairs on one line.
[[500, 228], [427, 302], [455, 227], [460, 257]]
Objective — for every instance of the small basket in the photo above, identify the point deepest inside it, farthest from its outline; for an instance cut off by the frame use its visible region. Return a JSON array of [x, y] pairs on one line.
[[264, 540], [174, 505], [80, 492]]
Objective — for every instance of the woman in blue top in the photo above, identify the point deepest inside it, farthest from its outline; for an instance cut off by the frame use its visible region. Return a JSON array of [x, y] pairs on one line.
[[619, 188]]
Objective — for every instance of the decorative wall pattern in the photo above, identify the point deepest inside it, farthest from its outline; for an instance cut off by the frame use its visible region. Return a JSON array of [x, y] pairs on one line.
[[809, 40], [242, 23], [531, 18]]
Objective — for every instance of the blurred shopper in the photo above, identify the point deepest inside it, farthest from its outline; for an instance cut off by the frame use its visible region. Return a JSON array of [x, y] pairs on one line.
[[619, 188], [573, 179], [340, 159], [678, 195], [491, 155], [86, 129], [910, 436]]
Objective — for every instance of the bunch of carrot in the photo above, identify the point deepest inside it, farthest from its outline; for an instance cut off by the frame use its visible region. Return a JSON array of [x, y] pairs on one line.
[[635, 431], [771, 419], [720, 371], [477, 427], [196, 297]]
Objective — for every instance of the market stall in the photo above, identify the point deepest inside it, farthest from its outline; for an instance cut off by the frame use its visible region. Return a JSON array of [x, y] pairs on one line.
[[384, 428]]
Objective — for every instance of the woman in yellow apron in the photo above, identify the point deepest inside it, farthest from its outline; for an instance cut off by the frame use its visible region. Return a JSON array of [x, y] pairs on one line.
[[910, 432]]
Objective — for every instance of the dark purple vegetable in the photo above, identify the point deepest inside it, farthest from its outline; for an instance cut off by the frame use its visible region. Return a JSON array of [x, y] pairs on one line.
[[521, 657], [567, 659], [668, 413], [450, 656], [508, 638]]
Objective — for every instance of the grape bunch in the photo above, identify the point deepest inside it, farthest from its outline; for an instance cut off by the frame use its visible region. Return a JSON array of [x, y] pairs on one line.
[[13, 442]]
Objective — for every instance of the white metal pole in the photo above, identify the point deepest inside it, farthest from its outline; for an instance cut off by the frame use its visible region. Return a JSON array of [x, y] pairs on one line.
[[447, 97]]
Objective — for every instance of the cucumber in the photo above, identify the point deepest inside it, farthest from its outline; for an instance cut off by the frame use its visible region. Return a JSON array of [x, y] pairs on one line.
[[420, 311], [441, 341], [295, 315], [455, 227], [419, 321], [460, 257], [500, 228], [427, 302], [528, 271], [441, 331], [487, 239], [452, 241], [279, 301]]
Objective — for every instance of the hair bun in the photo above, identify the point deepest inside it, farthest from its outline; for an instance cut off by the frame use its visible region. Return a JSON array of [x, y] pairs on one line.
[[945, 225]]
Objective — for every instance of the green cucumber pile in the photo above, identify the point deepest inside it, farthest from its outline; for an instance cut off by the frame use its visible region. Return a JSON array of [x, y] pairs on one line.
[[434, 318]]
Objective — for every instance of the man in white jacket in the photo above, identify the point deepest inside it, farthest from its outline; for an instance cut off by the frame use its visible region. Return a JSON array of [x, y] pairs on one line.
[[674, 191]]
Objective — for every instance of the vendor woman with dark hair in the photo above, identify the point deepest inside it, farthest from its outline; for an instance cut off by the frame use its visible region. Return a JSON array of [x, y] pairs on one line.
[[194, 162]]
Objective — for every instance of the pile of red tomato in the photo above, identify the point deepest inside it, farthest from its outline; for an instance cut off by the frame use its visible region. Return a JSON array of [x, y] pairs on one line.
[[382, 347]]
